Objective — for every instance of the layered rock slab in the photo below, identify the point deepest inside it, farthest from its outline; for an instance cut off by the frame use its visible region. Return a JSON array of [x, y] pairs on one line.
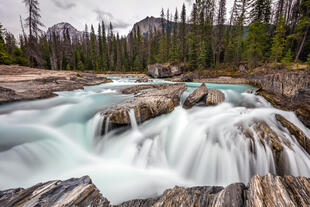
[[165, 70], [269, 191], [149, 101], [195, 97], [73, 192]]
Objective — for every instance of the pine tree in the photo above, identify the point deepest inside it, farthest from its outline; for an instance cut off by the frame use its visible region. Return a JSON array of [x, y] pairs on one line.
[[4, 56], [182, 33], [278, 43], [174, 52], [33, 23], [220, 30]]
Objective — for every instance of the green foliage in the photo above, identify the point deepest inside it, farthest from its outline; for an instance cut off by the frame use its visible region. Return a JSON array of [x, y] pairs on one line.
[[308, 60], [278, 42], [257, 41], [287, 58]]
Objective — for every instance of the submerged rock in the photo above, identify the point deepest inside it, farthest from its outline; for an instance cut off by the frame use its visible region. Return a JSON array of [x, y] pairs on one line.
[[74, 192], [215, 97], [195, 97], [165, 70], [142, 80], [149, 101]]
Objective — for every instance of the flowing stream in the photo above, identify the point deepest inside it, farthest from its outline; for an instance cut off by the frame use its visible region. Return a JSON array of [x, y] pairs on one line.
[[60, 138]]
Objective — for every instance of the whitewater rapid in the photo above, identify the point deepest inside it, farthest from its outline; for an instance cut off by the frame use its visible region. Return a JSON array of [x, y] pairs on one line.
[[60, 138]]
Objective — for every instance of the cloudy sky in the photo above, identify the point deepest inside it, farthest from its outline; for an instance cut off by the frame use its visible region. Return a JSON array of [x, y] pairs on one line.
[[122, 13]]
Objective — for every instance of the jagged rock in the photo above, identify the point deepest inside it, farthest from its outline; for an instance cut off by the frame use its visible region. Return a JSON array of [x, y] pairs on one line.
[[215, 97], [149, 101], [273, 191], [269, 191], [73, 192], [300, 136], [164, 70], [196, 96]]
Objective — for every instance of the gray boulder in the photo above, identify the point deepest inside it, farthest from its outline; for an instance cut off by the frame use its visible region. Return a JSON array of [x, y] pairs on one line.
[[195, 97], [215, 97], [164, 70]]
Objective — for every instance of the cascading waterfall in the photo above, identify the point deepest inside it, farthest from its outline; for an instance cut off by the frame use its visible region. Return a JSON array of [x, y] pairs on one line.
[[200, 146]]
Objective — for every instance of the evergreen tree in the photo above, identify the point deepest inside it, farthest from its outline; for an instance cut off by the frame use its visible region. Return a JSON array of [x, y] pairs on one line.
[[33, 23], [182, 33], [220, 30], [278, 43]]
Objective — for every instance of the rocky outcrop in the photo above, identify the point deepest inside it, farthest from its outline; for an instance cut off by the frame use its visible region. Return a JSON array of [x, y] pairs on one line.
[[302, 139], [283, 83], [195, 97], [74, 192], [142, 80], [165, 70], [148, 102], [22, 83], [269, 191], [215, 97], [273, 190]]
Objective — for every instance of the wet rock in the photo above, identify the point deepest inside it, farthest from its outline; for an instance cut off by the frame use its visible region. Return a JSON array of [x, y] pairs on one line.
[[165, 70], [142, 80], [196, 96], [148, 102], [215, 97], [74, 192], [300, 136], [273, 190]]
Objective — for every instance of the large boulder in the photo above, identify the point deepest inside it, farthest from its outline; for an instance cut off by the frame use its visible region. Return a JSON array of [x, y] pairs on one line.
[[215, 97], [164, 70], [73, 192], [195, 97], [149, 101]]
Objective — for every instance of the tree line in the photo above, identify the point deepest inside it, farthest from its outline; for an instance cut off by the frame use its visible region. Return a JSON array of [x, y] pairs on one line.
[[255, 32]]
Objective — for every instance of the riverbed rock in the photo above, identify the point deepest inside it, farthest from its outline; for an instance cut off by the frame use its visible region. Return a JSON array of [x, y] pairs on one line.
[[165, 70], [215, 97], [187, 77], [268, 190], [149, 101], [142, 80], [300, 136], [273, 190], [19, 83], [73, 192], [196, 96]]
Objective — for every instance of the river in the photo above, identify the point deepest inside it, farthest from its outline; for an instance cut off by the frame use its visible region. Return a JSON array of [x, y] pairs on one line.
[[59, 138]]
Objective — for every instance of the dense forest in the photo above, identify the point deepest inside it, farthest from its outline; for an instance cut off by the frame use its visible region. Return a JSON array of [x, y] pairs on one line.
[[255, 32]]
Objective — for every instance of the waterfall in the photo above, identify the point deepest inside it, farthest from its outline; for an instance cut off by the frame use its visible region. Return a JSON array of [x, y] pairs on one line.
[[214, 145]]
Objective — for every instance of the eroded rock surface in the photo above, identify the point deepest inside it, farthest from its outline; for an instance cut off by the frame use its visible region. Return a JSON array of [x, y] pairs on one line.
[[165, 70], [269, 191], [148, 102], [215, 97], [22, 83], [74, 192], [196, 96]]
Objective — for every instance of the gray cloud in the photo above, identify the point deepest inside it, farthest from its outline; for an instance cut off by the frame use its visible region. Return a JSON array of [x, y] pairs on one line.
[[108, 17], [63, 5]]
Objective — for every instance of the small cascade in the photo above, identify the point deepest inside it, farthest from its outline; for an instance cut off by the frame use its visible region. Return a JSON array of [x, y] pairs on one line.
[[133, 119]]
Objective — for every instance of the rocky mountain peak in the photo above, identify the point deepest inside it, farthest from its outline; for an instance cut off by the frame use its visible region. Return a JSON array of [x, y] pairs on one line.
[[60, 28]]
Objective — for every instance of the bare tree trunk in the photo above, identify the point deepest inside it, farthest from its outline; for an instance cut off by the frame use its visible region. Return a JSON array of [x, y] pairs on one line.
[[302, 44]]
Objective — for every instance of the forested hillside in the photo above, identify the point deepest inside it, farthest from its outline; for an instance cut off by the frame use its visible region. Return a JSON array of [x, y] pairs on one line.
[[255, 32]]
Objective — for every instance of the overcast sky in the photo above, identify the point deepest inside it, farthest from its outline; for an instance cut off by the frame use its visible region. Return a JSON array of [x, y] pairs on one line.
[[122, 13]]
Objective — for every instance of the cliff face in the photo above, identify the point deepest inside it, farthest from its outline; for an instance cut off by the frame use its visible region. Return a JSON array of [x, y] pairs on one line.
[[287, 90], [289, 84]]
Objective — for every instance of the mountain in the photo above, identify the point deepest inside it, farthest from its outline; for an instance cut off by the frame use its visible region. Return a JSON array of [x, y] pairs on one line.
[[60, 28], [148, 24]]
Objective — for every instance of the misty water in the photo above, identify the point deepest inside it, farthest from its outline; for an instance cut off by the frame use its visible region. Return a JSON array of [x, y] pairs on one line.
[[60, 138]]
